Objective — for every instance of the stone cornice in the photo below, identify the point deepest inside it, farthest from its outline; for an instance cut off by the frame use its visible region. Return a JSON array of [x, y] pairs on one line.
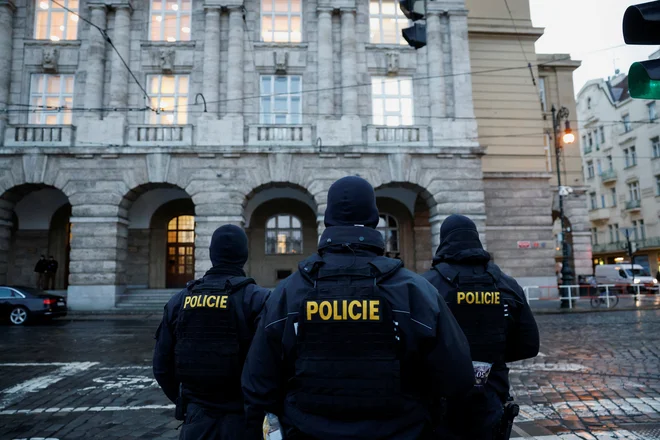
[[8, 3]]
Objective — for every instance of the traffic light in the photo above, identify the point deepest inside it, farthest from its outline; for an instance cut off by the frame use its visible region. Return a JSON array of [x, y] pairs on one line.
[[416, 34], [641, 25]]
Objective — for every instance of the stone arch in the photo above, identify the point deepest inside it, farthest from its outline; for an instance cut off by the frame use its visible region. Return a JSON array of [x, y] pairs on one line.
[[265, 205], [148, 209], [416, 209], [34, 220]]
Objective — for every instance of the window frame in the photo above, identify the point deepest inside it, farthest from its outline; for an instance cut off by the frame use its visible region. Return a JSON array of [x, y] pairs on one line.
[[652, 111], [272, 14], [387, 228], [590, 169], [73, 18], [634, 191], [384, 96], [627, 125], [602, 134], [277, 230], [179, 13], [593, 201], [397, 17], [153, 118], [43, 95], [272, 97], [613, 194], [594, 235], [543, 94], [655, 146]]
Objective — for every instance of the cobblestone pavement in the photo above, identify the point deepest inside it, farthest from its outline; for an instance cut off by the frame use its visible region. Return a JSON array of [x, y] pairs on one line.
[[597, 378]]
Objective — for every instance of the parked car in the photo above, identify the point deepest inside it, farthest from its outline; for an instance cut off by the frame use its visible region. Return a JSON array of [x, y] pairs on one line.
[[626, 276], [22, 304]]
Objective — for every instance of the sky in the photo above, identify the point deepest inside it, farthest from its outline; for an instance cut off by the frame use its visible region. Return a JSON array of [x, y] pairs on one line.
[[584, 28]]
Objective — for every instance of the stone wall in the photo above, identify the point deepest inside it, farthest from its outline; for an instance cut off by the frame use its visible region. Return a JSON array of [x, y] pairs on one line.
[[26, 248], [137, 267]]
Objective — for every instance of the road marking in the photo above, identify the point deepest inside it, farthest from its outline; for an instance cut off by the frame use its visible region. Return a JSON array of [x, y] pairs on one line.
[[123, 383], [16, 393], [83, 409], [131, 367], [36, 364], [628, 407]]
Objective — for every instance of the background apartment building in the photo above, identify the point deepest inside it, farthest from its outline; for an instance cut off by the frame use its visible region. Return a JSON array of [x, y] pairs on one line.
[[621, 148], [245, 113]]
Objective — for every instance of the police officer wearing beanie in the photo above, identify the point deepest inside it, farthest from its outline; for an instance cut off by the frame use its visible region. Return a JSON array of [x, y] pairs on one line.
[[497, 321], [353, 345], [203, 339]]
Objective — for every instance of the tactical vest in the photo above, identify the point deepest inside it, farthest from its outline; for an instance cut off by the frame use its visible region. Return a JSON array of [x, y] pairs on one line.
[[209, 350], [481, 310], [348, 361]]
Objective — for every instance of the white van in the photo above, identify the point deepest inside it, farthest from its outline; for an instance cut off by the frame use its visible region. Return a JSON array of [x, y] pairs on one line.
[[626, 274]]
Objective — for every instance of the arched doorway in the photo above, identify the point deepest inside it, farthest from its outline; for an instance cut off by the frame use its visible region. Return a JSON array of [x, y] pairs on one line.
[[35, 222], [180, 251]]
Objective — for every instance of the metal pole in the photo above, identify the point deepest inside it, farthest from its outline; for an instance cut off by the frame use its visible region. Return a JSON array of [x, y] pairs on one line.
[[566, 271]]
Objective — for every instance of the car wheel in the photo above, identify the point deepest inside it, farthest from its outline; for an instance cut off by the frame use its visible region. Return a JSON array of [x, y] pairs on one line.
[[18, 315]]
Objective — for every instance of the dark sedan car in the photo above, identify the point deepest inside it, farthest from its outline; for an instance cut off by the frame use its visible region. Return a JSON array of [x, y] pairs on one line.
[[22, 304]]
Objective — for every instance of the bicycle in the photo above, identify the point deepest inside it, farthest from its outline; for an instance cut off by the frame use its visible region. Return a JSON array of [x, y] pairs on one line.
[[602, 299]]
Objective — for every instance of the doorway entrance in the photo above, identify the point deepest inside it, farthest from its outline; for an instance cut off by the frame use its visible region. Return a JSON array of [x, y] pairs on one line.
[[180, 251]]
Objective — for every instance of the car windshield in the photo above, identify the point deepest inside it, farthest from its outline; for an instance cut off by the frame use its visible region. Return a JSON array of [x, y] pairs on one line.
[[638, 272]]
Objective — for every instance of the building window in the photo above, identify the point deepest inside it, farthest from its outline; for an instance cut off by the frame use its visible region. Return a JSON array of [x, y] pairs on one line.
[[602, 201], [389, 229], [281, 21], [281, 101], [283, 235], [169, 93], [55, 23], [170, 20], [52, 93], [611, 229], [591, 140], [594, 235], [592, 201], [653, 114], [596, 141], [642, 230], [613, 193], [599, 167], [655, 144], [633, 191], [657, 185], [602, 134], [588, 103], [181, 246], [610, 162], [633, 155], [590, 169], [584, 140], [386, 21], [392, 101], [630, 156], [542, 94], [548, 153], [627, 126], [616, 232]]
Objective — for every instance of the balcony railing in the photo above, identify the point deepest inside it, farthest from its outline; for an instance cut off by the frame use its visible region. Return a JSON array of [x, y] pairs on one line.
[[633, 205], [159, 135], [39, 136], [588, 150], [285, 135], [608, 176], [646, 243], [404, 135], [599, 215]]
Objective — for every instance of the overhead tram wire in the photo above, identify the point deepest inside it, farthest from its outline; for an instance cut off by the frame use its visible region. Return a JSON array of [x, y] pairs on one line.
[[107, 38], [522, 48]]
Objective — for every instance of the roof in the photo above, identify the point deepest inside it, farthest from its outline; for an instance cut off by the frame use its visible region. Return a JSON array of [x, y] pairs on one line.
[[619, 88]]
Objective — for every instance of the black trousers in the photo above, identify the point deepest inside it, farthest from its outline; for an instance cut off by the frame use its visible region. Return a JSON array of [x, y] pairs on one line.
[[201, 425], [473, 417]]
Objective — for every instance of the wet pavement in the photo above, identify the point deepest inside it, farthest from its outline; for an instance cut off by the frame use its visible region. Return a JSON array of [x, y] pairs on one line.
[[90, 378]]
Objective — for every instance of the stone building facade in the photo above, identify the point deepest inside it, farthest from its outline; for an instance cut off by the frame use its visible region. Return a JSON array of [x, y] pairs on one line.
[[252, 109]]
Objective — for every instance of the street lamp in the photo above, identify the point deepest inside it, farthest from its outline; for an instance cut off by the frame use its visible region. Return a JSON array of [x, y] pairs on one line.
[[568, 137]]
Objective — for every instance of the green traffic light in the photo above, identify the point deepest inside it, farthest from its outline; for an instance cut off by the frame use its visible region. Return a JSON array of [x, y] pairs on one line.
[[640, 83]]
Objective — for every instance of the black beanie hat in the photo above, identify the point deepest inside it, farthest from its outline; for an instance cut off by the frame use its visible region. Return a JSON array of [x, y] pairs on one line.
[[351, 201], [229, 246], [460, 229]]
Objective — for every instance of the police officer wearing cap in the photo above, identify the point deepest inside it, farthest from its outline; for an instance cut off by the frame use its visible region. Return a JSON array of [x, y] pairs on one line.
[[492, 311], [203, 339], [353, 345]]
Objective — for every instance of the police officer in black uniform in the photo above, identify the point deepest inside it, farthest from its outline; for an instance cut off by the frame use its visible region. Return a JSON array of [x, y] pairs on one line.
[[353, 345], [492, 311], [203, 339]]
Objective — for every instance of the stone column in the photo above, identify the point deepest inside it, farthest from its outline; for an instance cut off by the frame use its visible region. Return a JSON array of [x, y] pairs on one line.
[[325, 68], [6, 27], [95, 62], [436, 65], [211, 81], [460, 61], [348, 63], [96, 267], [235, 62], [121, 40]]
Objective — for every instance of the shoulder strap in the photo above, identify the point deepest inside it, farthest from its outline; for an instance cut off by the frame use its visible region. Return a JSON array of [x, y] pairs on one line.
[[385, 267], [308, 267], [234, 284], [494, 271], [447, 272]]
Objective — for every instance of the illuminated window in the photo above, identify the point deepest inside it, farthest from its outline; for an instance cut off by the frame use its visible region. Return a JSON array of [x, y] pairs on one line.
[[170, 20], [392, 101], [389, 229], [386, 21], [55, 23], [283, 235], [181, 245], [281, 21], [53, 94], [281, 102], [169, 93]]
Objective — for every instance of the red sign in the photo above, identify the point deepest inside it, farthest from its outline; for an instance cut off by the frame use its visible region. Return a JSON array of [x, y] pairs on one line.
[[524, 245]]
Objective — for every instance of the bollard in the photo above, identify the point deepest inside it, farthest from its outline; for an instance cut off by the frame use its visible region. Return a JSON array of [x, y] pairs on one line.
[[570, 300]]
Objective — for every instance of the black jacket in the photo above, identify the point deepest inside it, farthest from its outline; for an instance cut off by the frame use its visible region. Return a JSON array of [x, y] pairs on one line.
[[266, 373], [522, 336], [163, 362]]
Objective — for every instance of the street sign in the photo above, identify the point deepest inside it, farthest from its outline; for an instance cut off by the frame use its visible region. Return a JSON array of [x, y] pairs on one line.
[[524, 245]]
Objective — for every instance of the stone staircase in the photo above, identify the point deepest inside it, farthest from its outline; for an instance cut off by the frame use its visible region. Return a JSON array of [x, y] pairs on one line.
[[152, 300]]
